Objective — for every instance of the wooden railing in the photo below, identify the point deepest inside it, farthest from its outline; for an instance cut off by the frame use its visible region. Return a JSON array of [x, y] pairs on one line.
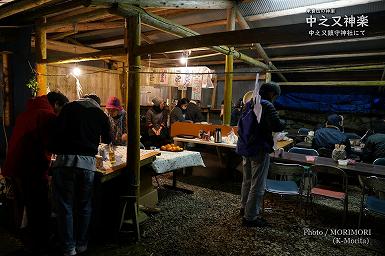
[[179, 128]]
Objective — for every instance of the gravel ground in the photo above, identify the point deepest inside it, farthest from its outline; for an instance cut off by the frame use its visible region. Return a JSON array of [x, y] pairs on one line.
[[207, 222]]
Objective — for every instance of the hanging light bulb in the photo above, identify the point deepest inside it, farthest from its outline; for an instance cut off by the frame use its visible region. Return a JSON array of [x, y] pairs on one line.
[[76, 71], [183, 60]]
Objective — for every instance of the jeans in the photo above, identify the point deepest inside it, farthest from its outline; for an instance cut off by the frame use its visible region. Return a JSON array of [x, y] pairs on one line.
[[73, 193], [255, 170]]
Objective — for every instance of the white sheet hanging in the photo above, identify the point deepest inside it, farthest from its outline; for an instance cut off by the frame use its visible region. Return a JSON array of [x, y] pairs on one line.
[[257, 99]]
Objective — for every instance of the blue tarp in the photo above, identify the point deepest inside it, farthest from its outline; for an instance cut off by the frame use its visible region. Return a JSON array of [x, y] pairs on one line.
[[336, 100]]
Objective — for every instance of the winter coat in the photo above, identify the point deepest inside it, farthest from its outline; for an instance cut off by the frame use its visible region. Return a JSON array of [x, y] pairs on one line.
[[155, 118], [176, 115], [263, 141], [329, 136], [28, 156], [80, 127], [193, 113]]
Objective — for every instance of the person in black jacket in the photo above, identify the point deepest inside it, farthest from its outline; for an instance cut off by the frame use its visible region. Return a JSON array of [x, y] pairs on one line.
[[193, 112], [80, 127], [178, 113], [375, 144], [255, 150]]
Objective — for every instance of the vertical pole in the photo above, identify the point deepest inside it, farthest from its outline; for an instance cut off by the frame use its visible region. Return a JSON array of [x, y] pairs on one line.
[[133, 101], [268, 77], [228, 94], [41, 54], [7, 91]]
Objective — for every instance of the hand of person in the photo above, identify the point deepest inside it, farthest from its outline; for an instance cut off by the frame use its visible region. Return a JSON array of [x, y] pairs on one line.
[[124, 137], [155, 131]]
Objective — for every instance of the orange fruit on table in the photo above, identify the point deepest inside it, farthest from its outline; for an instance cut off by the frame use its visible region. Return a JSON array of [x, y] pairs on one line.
[[163, 147]]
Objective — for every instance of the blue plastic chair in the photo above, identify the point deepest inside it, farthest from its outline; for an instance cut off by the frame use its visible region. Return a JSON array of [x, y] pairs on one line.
[[279, 182], [373, 197], [379, 161], [304, 151], [352, 136]]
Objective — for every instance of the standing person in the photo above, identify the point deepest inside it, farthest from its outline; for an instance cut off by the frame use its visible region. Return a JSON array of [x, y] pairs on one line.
[[193, 112], [80, 127], [178, 114], [375, 144], [255, 143], [27, 164], [117, 117], [236, 113]]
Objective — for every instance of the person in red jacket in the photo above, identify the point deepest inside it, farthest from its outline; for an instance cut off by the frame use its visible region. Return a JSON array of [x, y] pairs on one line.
[[27, 164]]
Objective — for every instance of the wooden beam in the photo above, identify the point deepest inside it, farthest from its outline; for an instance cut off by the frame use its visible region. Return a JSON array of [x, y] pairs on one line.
[[65, 47], [63, 35], [109, 43], [101, 55], [68, 15], [166, 13], [85, 26], [171, 27], [41, 55], [329, 56], [270, 35], [46, 11], [208, 63], [20, 6], [242, 78], [343, 68], [191, 4], [335, 83], [84, 17], [244, 25], [323, 42], [199, 25]]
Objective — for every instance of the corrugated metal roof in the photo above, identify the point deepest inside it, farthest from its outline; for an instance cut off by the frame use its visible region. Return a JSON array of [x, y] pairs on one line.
[[264, 6]]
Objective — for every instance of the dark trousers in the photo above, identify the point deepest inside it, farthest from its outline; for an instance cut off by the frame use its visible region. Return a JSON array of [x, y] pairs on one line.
[[33, 195]]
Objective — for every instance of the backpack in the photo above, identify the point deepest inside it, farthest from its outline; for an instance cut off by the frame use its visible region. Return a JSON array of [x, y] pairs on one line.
[[250, 141]]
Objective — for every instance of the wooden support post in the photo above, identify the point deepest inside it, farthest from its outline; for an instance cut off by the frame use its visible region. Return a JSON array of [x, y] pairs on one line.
[[268, 77], [133, 101], [229, 66], [41, 54], [7, 91]]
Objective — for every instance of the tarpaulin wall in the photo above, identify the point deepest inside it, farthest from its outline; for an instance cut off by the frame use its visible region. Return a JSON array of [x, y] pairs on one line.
[[332, 99]]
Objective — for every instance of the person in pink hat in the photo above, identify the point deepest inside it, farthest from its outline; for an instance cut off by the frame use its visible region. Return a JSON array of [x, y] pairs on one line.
[[117, 117]]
